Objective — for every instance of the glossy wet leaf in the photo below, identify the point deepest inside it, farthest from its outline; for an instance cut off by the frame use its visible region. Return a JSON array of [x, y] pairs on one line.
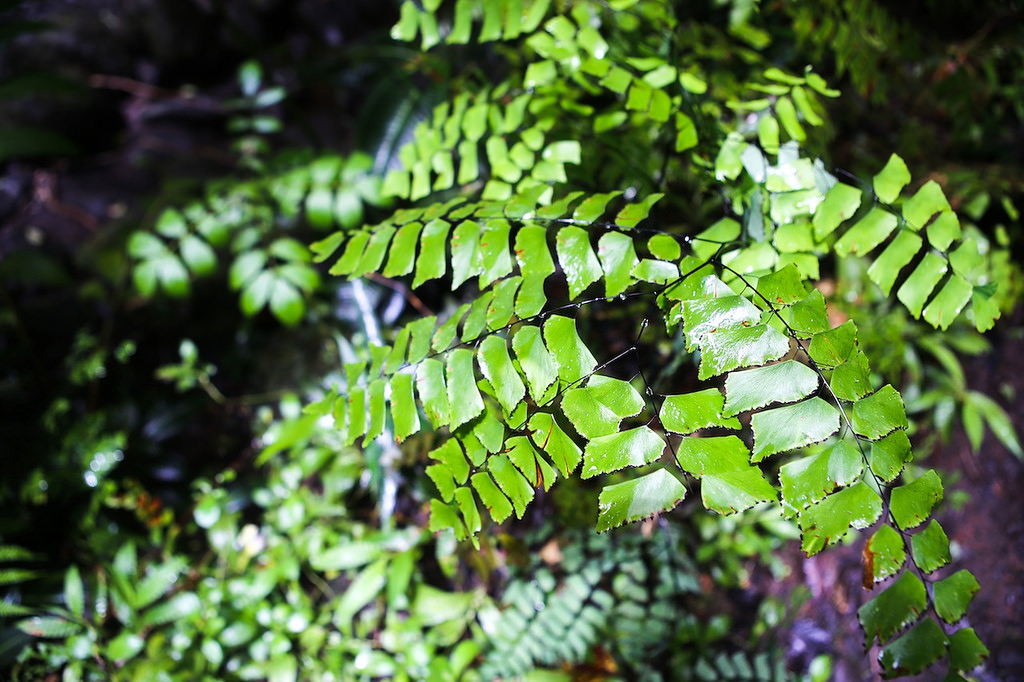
[[884, 555], [638, 498], [596, 409], [930, 548], [783, 382], [464, 399], [689, 412], [912, 503], [809, 479], [536, 362], [781, 288], [572, 356], [878, 414], [556, 443], [890, 454], [954, 594], [834, 346], [851, 380], [915, 650], [894, 608], [728, 349], [618, 258], [577, 258], [630, 448], [826, 522], [728, 481], [792, 426]]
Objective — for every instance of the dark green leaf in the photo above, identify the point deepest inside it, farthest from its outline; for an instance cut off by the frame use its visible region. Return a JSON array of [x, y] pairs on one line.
[[829, 520], [809, 479], [653, 493], [889, 454], [954, 594], [834, 346], [879, 414], [930, 548], [895, 608], [914, 651], [912, 504], [966, 652], [851, 380], [884, 555]]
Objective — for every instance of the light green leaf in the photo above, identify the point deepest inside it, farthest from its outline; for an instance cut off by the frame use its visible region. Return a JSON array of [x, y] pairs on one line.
[[784, 382], [501, 307], [852, 380], [786, 112], [126, 645], [809, 316], [536, 362], [655, 271], [464, 398], [930, 548], [529, 462], [664, 247], [704, 315], [593, 207], [198, 255], [466, 258], [181, 606], [286, 302], [914, 651], [954, 594], [511, 482], [596, 409], [948, 303], [808, 480], [781, 288], [728, 482], [74, 591], [494, 252], [497, 504], [352, 254], [879, 414], [432, 259], [891, 180], [48, 626], [630, 448], [579, 264], [550, 438], [884, 555], [363, 589], [926, 202], [944, 230], [841, 202], [433, 392], [571, 354], [497, 368], [403, 250], [686, 413], [893, 259], [633, 214], [867, 233], [728, 165], [833, 347], [375, 397], [728, 349], [653, 493], [912, 504], [792, 426], [829, 520]]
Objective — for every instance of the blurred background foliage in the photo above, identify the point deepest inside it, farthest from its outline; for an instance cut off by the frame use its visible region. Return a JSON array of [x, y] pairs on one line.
[[167, 510]]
